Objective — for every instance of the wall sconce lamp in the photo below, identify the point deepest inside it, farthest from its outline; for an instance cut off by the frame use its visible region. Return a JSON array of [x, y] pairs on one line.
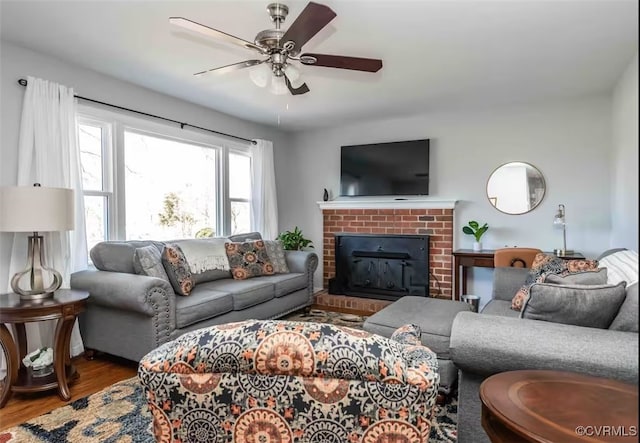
[[560, 220], [36, 209]]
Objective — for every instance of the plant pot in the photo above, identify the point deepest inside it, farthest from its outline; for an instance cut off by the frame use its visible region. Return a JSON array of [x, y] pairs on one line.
[[477, 246]]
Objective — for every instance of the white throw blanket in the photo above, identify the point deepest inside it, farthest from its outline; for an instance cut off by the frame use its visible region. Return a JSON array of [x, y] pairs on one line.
[[205, 254]]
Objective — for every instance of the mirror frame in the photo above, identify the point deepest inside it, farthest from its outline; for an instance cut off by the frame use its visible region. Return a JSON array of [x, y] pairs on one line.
[[544, 188]]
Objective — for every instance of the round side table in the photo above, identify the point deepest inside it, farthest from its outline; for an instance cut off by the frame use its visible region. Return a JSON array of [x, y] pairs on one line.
[[539, 406], [64, 307]]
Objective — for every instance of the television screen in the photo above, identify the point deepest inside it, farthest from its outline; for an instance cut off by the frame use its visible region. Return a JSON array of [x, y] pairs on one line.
[[398, 168]]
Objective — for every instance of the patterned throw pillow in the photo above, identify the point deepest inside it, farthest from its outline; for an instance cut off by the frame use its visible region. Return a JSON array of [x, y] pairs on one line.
[[408, 334], [177, 268], [148, 261], [545, 264], [248, 259], [276, 254]]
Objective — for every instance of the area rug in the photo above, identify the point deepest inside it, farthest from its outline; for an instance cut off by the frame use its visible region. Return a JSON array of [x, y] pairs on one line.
[[118, 414]]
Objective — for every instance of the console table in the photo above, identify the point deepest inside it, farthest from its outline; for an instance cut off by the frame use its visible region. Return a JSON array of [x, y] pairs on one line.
[[64, 307], [467, 258]]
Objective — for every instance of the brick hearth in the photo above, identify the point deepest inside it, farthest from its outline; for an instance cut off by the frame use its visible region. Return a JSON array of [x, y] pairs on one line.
[[437, 223]]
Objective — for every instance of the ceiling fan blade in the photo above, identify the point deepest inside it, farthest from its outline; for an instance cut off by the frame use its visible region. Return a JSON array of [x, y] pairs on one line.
[[342, 62], [311, 20], [210, 32], [231, 67], [302, 89]]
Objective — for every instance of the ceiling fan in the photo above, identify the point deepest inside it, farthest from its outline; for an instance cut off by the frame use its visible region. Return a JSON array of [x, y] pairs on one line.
[[278, 48]]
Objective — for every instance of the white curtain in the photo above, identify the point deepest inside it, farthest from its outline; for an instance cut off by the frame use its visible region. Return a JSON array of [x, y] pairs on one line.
[[48, 154], [264, 202]]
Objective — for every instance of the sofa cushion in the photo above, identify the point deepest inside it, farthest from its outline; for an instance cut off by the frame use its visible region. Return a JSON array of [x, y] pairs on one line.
[[276, 254], [245, 293], [285, 284], [598, 277], [545, 264], [627, 317], [202, 304], [248, 259], [501, 308], [117, 256], [593, 306], [148, 261], [177, 268], [207, 258]]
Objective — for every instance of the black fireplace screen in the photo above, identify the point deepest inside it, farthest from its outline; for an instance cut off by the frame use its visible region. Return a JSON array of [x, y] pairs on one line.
[[381, 266]]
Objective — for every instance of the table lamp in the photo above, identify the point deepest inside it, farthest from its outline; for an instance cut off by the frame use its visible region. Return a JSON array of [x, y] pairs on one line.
[[36, 209], [559, 220]]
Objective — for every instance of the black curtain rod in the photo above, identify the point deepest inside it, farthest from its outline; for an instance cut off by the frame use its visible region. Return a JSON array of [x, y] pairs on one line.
[[23, 82]]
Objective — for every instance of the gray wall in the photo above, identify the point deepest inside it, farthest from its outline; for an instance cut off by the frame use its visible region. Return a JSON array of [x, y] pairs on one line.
[[18, 62], [570, 142], [624, 195]]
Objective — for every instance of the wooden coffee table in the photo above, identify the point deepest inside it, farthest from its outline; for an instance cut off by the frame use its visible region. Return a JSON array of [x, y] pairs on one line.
[[554, 406], [64, 307]]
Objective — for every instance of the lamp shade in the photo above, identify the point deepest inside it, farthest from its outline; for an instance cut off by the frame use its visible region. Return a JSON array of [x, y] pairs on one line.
[[36, 209]]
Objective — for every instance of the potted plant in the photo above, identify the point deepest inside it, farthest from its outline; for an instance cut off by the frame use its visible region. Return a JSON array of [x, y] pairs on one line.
[[294, 240], [474, 228]]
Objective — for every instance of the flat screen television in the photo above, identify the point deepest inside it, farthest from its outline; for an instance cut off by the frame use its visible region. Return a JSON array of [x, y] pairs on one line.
[[397, 168]]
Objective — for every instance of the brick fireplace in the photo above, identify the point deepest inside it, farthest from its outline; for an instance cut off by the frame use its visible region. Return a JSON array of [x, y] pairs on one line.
[[434, 219]]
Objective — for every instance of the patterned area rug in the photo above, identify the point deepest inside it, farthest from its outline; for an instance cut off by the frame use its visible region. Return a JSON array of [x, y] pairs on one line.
[[118, 414]]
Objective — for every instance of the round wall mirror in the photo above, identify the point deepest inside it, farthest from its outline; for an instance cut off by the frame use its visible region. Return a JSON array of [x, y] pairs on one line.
[[516, 188]]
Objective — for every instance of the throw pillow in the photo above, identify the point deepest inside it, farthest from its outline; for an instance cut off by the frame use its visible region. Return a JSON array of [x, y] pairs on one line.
[[597, 277], [177, 268], [148, 261], [545, 264], [248, 259], [593, 306], [408, 334], [276, 254], [207, 258], [627, 317]]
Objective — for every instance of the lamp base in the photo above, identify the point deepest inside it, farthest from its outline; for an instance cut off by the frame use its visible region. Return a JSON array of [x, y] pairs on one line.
[[34, 269], [562, 252]]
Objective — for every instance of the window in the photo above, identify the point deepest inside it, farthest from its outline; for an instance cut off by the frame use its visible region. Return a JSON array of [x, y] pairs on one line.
[[145, 180], [94, 139], [240, 192]]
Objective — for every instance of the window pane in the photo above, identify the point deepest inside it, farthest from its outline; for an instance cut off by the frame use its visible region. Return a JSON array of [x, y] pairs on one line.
[[95, 214], [240, 221], [239, 176], [90, 139], [170, 188]]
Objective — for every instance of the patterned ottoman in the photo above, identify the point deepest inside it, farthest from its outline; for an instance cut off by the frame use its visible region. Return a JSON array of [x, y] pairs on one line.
[[281, 381], [434, 317]]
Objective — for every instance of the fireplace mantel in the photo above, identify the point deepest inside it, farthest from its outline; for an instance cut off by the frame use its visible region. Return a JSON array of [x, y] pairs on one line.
[[408, 203]]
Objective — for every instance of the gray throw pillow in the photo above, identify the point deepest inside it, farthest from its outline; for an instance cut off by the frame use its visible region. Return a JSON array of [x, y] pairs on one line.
[[276, 254], [627, 318], [593, 306], [148, 261], [598, 277]]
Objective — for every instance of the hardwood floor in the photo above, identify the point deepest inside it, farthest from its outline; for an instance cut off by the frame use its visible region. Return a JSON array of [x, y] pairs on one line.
[[95, 375]]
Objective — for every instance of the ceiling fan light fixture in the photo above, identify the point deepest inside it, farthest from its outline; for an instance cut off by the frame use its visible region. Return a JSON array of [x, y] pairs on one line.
[[260, 75], [292, 72], [278, 86]]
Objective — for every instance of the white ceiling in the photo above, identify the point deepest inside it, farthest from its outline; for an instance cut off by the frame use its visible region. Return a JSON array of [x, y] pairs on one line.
[[437, 55]]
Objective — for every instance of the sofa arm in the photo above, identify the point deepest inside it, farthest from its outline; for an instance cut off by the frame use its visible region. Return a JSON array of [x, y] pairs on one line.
[[302, 261], [487, 344], [130, 292]]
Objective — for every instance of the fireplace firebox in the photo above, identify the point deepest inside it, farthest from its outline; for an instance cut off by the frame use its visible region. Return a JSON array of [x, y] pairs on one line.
[[381, 266]]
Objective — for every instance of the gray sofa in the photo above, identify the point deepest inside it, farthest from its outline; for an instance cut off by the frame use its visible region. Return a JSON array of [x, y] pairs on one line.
[[129, 315], [496, 340]]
